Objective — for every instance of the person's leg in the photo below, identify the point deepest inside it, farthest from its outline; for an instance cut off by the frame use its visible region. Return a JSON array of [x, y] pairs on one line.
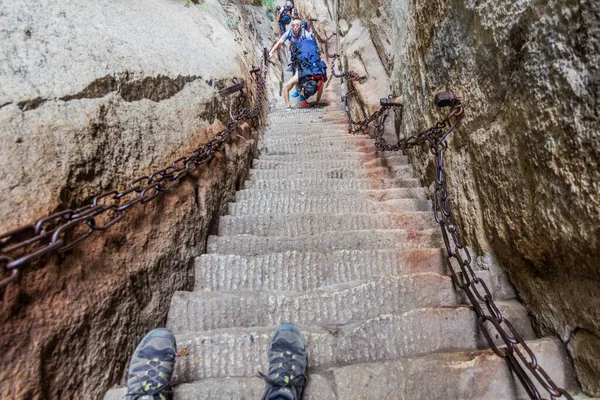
[[287, 364], [319, 93], [286, 90], [151, 366]]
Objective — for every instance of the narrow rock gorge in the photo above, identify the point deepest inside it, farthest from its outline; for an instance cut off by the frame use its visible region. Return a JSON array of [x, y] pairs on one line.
[[93, 96], [523, 165]]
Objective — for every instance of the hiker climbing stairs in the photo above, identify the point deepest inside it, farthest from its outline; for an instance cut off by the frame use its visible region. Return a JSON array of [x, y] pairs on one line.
[[341, 240]]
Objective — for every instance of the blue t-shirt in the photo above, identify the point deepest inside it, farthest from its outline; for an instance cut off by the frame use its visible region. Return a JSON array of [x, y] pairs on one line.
[[304, 35]]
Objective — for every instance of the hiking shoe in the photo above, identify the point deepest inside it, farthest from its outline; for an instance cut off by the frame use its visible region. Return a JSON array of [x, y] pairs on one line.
[[151, 367], [287, 364], [294, 95], [288, 108]]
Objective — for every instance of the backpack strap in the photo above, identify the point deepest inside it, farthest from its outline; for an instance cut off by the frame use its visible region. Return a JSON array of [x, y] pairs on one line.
[[319, 78]]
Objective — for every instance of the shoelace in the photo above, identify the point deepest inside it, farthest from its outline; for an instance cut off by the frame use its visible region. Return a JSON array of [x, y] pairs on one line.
[[295, 382], [287, 370]]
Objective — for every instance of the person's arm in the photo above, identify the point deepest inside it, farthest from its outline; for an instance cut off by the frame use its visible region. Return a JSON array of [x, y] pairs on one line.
[[276, 46]]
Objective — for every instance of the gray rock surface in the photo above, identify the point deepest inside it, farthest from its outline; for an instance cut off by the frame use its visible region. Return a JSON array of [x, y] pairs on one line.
[[523, 165], [93, 95]]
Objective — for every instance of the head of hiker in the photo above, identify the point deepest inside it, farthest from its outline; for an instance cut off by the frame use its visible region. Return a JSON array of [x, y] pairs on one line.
[[296, 26], [310, 87]]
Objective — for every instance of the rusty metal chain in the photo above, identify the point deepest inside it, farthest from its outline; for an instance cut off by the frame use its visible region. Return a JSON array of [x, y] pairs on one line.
[[518, 355], [66, 229], [319, 38], [361, 126], [351, 76]]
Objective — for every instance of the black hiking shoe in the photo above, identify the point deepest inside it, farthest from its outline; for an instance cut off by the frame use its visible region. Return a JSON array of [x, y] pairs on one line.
[[151, 367], [287, 364]]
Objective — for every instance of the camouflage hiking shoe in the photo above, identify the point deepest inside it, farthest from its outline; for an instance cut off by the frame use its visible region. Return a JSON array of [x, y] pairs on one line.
[[151, 367], [287, 364]]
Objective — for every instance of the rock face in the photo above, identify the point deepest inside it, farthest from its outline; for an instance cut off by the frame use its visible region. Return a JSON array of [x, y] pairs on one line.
[[91, 97], [523, 165]]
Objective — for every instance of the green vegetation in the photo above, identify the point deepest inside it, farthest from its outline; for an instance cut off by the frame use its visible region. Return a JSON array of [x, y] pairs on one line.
[[197, 2], [232, 22], [269, 4]]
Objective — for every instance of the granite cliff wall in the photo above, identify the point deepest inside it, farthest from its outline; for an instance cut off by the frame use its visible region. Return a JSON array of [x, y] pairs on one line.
[[524, 164], [91, 97]]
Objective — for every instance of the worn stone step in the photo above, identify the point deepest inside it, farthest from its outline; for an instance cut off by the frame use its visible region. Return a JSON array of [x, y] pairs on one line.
[[299, 116], [238, 352], [317, 388], [332, 184], [302, 271], [310, 224], [326, 146], [345, 155], [337, 304], [349, 240], [465, 375], [300, 139], [315, 132], [402, 172], [448, 375], [328, 164], [348, 141], [286, 204], [374, 194]]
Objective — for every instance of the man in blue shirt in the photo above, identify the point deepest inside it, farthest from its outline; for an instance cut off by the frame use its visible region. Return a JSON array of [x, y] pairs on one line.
[[294, 35]]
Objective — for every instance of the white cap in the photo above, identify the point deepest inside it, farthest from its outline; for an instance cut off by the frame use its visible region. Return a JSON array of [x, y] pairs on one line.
[[289, 4]]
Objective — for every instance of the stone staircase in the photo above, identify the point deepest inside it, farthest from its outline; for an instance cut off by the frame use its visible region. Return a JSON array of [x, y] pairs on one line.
[[340, 240]]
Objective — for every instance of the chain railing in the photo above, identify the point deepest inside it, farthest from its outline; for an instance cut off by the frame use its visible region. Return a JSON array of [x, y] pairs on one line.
[[66, 229], [518, 355]]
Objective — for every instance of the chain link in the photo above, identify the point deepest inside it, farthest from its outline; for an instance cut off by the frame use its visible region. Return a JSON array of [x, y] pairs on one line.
[[66, 229]]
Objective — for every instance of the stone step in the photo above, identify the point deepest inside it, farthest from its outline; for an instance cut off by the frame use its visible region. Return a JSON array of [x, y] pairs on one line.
[[318, 387], [402, 172], [302, 271], [286, 204], [465, 375], [328, 164], [310, 224], [299, 116], [448, 375], [299, 139], [337, 304], [375, 195], [315, 132], [303, 126], [332, 184], [250, 245], [239, 352], [346, 155], [327, 146]]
